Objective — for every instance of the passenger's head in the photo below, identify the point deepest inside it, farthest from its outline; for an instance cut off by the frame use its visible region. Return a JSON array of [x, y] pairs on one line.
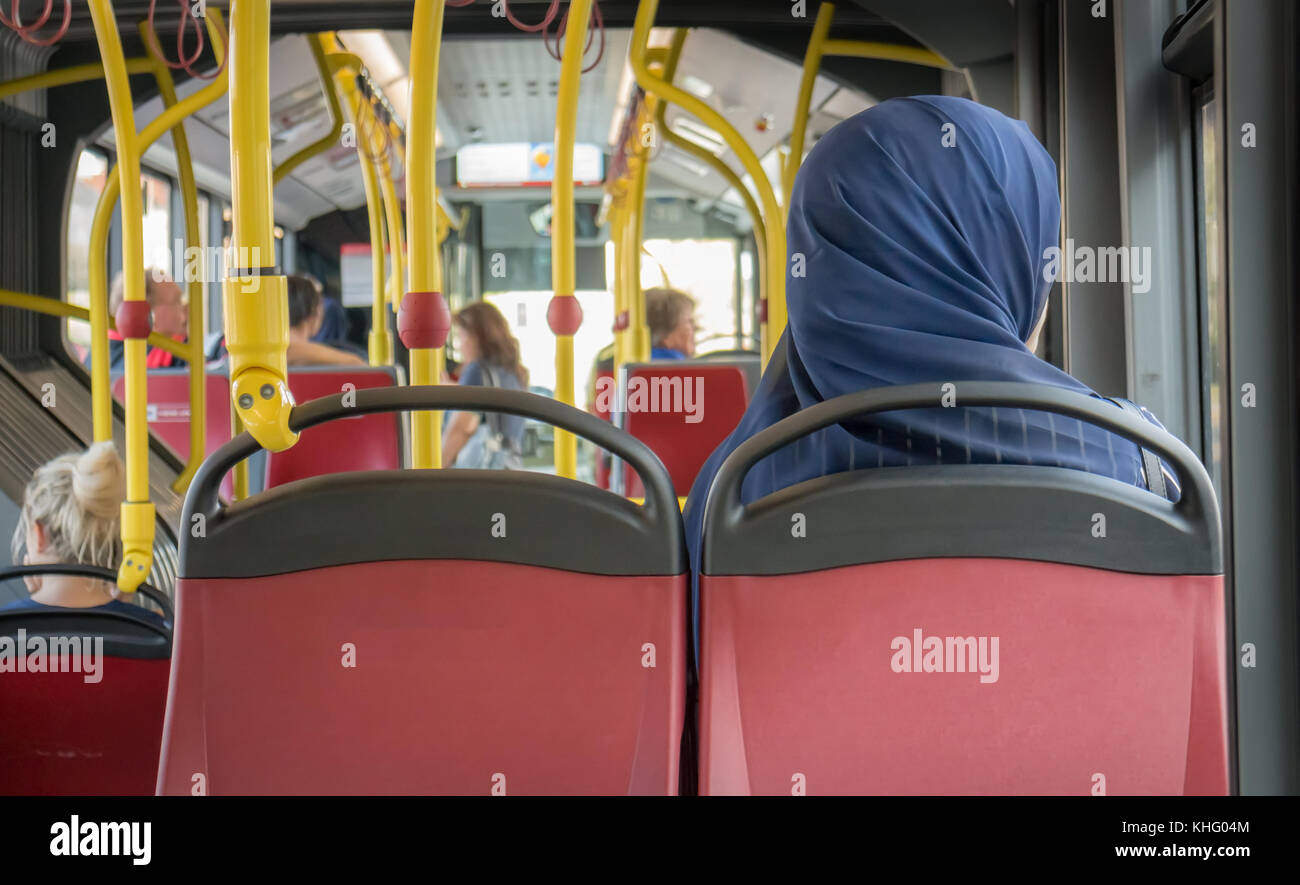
[[70, 510], [483, 334], [166, 301], [671, 317], [306, 309], [918, 237]]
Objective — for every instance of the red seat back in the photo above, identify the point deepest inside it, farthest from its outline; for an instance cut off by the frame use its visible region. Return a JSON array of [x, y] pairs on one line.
[[970, 629], [431, 631], [363, 442], [89, 721], [682, 410]]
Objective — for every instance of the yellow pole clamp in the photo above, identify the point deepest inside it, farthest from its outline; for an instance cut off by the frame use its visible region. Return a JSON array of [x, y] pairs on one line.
[[255, 293]]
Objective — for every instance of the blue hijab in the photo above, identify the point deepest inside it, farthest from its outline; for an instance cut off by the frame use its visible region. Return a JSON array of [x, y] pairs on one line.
[[917, 235]]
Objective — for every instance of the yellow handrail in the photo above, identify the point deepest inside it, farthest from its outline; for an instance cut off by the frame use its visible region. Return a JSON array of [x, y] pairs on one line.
[[422, 216], [564, 313], [193, 281], [819, 46], [775, 314], [137, 510], [67, 76], [56, 308], [100, 392], [317, 44], [256, 302], [719, 165]]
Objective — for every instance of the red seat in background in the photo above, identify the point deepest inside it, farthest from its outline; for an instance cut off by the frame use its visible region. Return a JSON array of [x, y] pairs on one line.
[[364, 442], [683, 445], [435, 631], [63, 736], [819, 601]]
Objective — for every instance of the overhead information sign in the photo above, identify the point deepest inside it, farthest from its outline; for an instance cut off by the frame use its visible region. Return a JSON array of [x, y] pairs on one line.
[[524, 165]]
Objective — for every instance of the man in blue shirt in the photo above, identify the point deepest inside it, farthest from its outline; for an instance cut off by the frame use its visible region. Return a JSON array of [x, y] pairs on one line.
[[671, 317]]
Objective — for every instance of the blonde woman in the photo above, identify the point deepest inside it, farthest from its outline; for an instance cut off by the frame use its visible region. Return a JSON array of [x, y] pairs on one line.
[[70, 517]]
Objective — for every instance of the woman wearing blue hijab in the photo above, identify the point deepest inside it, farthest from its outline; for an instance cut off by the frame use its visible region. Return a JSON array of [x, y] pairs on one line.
[[918, 235]]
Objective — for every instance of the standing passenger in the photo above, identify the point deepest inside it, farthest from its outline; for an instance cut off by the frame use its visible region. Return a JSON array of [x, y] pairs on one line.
[[490, 356]]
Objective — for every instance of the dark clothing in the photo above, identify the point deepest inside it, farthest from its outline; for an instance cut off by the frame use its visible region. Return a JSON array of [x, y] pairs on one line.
[[117, 606], [474, 374]]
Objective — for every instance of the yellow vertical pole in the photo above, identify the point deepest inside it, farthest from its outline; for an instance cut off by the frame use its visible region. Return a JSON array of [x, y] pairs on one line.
[[639, 163], [396, 245], [811, 64], [564, 313], [618, 221], [193, 281], [422, 317], [137, 511], [364, 120]]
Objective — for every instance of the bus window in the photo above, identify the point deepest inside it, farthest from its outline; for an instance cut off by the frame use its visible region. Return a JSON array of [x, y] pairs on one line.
[[157, 222], [1213, 366], [88, 184]]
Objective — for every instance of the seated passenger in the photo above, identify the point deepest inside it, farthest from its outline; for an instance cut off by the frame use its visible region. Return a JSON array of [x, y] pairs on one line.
[[921, 263], [490, 359], [671, 317], [306, 311], [170, 318], [69, 516]]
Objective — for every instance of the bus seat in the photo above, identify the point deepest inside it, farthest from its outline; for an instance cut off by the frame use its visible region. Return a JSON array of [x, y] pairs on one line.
[[749, 361], [705, 400], [362, 442], [64, 736], [169, 406], [972, 629], [432, 631]]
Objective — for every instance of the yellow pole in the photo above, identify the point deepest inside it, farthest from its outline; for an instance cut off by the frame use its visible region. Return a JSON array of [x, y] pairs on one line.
[[101, 394], [618, 221], [363, 115], [193, 281], [318, 45], [69, 75], [256, 293], [564, 313], [396, 247], [811, 63], [717, 163], [422, 314], [137, 511], [635, 233], [774, 315]]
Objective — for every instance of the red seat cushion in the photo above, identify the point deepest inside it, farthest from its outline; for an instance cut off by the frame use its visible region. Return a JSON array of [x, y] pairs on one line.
[[1100, 673]]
